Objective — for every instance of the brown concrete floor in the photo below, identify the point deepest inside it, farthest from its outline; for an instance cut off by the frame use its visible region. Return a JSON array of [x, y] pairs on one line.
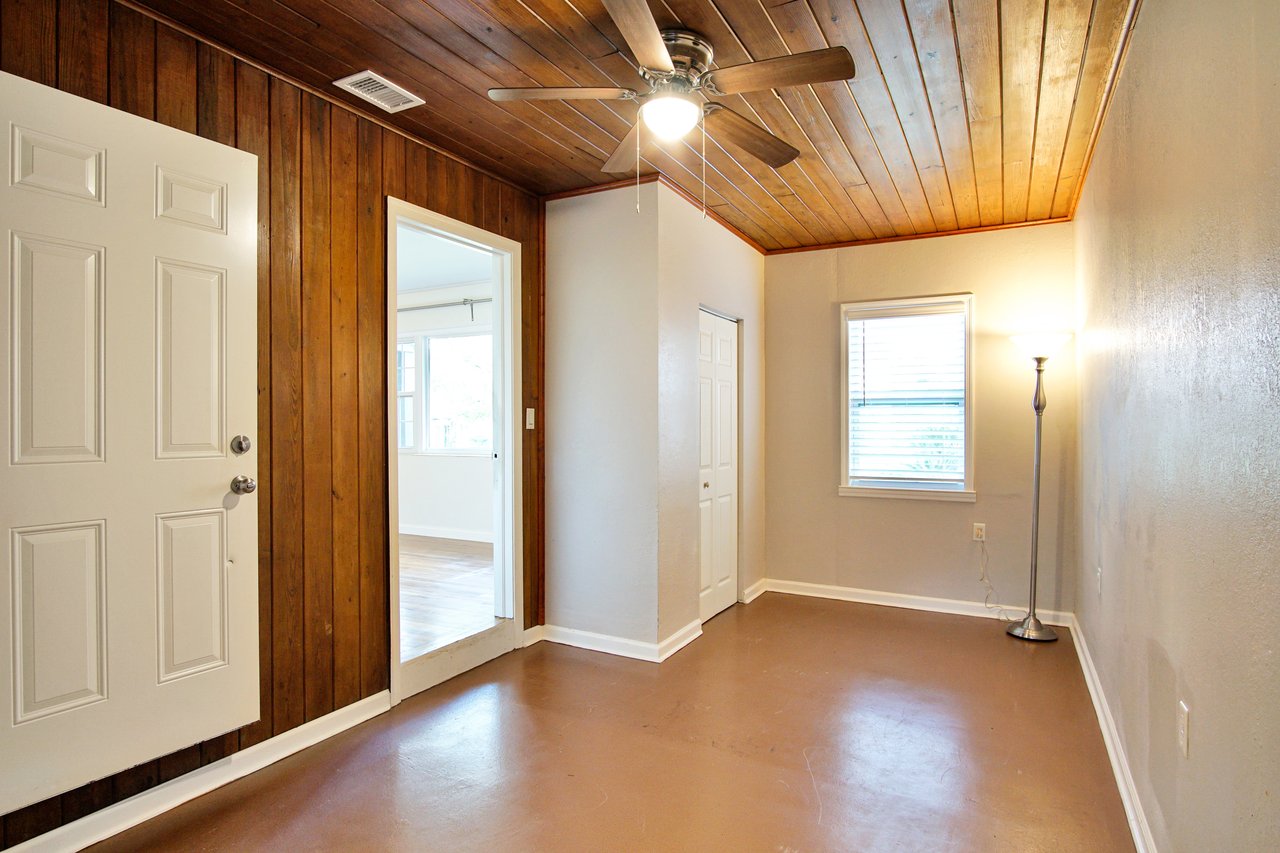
[[792, 724]]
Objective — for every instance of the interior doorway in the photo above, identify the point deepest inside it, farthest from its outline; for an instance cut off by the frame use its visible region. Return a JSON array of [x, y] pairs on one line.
[[452, 374]]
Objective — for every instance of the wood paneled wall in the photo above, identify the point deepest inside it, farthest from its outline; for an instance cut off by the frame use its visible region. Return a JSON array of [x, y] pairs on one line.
[[324, 173]]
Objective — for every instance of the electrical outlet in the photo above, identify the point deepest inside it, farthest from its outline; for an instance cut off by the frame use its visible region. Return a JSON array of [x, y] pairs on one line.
[[1184, 723], [979, 532]]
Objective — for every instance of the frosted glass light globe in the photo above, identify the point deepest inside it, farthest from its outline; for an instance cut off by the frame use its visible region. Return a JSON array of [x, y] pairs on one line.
[[670, 116]]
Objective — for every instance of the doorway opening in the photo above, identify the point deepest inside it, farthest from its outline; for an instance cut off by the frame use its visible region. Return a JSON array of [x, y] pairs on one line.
[[452, 374]]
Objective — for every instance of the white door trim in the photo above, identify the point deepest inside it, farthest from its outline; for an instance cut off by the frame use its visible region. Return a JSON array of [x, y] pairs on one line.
[[442, 664]]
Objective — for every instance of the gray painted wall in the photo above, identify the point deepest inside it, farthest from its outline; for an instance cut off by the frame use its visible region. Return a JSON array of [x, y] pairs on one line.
[[1022, 280], [1179, 260]]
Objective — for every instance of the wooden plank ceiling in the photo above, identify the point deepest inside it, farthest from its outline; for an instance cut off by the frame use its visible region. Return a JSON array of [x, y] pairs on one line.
[[963, 113]]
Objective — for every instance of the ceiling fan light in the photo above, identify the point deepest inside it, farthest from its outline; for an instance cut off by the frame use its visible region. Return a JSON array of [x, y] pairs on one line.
[[670, 117]]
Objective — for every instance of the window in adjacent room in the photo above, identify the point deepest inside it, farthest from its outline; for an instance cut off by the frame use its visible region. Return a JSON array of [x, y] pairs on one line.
[[908, 426], [447, 406]]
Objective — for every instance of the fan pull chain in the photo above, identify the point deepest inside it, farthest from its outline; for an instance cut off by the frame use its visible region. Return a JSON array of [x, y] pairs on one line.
[[639, 130], [703, 125]]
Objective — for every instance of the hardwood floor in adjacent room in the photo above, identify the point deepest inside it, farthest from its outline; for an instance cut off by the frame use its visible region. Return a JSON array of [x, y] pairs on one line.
[[791, 724], [446, 592]]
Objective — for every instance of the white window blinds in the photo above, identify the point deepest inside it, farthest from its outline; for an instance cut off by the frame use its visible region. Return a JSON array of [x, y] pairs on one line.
[[907, 394]]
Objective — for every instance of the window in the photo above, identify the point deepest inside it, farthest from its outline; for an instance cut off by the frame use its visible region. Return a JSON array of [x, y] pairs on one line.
[[447, 406], [406, 391], [908, 427]]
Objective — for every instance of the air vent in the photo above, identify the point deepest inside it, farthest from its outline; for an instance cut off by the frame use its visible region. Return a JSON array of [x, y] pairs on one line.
[[379, 90]]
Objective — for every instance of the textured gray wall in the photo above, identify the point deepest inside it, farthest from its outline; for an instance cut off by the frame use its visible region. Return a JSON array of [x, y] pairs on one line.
[[1178, 252]]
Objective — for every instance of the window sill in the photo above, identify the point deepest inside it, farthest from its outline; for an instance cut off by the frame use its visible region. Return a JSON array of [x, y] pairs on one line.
[[952, 495], [477, 454]]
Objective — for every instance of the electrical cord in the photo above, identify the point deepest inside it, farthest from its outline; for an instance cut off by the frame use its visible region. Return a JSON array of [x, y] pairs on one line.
[[985, 579]]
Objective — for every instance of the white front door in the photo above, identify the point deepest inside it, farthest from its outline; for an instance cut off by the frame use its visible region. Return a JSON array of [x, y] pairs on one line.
[[718, 462], [128, 593]]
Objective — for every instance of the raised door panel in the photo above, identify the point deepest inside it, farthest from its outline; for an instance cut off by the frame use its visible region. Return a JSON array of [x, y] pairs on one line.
[[191, 551], [191, 200], [59, 601], [56, 295], [60, 167], [190, 360]]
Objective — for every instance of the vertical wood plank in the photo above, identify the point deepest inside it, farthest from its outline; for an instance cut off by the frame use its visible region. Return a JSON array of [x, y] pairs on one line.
[[287, 618], [135, 780], [396, 158], [175, 79], [132, 62], [35, 819], [317, 474], [86, 800], [345, 403], [177, 763], [29, 39], [82, 52], [216, 94], [371, 328], [253, 135], [219, 747], [417, 172], [492, 205]]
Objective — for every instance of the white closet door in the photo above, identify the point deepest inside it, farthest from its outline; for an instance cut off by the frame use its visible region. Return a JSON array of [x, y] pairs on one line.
[[128, 593], [718, 462]]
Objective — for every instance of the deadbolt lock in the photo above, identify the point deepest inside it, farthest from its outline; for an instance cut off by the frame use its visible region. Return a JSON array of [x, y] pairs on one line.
[[241, 444]]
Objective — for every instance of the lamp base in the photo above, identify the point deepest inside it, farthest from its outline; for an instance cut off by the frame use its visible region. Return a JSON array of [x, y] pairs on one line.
[[1032, 628]]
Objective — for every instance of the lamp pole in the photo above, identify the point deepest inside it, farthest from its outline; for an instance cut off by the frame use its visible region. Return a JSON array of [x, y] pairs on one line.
[[1032, 628]]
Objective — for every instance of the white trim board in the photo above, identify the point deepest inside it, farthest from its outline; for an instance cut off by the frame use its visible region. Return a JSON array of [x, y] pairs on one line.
[[114, 819], [955, 606], [447, 532], [1138, 826], [621, 646], [754, 591]]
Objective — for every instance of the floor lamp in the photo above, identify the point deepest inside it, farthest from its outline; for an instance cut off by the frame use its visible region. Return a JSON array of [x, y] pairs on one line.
[[1039, 347]]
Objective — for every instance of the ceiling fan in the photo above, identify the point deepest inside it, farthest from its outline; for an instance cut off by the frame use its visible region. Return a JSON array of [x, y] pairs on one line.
[[676, 64]]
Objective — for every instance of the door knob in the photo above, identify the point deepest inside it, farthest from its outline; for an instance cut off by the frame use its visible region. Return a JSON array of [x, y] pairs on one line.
[[706, 485], [243, 485]]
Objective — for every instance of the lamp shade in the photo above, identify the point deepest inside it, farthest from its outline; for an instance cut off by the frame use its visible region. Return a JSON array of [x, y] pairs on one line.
[[670, 116], [1041, 344]]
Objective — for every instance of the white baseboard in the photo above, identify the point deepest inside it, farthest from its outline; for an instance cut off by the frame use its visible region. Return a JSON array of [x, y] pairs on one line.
[[679, 639], [447, 532], [754, 591], [956, 606], [637, 649], [93, 828], [536, 634], [1138, 826]]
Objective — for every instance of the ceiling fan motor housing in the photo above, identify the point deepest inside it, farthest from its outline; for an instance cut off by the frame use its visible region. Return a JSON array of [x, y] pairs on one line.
[[691, 55]]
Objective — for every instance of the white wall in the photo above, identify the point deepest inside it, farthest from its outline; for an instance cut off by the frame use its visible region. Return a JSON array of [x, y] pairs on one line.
[[1179, 260], [623, 292], [1020, 278], [447, 495], [601, 414], [700, 263]]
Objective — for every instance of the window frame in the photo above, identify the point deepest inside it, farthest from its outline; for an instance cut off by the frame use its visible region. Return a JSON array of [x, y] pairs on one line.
[[422, 386], [908, 306]]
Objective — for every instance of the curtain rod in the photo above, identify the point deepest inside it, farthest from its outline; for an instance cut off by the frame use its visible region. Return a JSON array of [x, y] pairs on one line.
[[461, 303]]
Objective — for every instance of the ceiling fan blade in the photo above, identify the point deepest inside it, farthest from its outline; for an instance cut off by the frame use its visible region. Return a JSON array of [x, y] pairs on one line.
[[725, 124], [635, 22], [623, 158], [816, 66], [565, 93]]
